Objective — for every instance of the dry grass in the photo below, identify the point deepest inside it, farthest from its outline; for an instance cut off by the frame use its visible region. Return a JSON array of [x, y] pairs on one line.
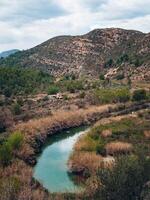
[[23, 174], [59, 119], [114, 148], [18, 169], [147, 134], [106, 133], [85, 161]]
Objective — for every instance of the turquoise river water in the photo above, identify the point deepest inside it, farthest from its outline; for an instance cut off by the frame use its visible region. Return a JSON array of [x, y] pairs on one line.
[[51, 168]]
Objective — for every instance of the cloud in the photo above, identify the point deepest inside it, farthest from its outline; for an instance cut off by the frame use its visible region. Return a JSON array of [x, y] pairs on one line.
[[24, 24]]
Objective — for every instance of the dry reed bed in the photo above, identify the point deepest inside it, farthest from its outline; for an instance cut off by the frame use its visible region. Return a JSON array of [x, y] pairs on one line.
[[38, 129], [114, 148], [85, 162]]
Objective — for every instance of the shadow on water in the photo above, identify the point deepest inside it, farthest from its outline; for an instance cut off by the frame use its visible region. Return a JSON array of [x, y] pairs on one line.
[[51, 168]]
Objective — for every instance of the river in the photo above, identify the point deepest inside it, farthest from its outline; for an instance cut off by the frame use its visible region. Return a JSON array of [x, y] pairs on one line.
[[51, 168]]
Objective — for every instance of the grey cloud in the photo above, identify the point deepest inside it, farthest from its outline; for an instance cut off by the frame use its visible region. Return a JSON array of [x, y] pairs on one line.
[[26, 23]]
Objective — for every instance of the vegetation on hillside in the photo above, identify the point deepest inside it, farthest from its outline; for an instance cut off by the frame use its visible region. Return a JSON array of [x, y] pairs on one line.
[[15, 81]]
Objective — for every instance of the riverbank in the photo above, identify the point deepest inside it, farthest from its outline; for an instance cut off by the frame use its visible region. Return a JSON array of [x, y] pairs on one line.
[[107, 141], [35, 133]]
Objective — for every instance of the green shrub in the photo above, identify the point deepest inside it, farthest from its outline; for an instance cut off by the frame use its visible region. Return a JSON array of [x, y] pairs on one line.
[[112, 95], [100, 149], [15, 140], [5, 154], [109, 63], [139, 95], [74, 85], [126, 179], [101, 77], [123, 58], [53, 90], [16, 109]]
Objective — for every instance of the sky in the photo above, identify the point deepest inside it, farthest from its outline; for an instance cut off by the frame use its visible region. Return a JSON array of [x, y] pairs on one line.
[[27, 23]]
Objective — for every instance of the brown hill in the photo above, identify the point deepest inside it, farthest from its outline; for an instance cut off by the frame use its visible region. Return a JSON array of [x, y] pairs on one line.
[[86, 54]]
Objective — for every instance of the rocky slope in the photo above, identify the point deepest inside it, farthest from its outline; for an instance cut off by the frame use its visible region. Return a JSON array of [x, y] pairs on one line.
[[87, 54]]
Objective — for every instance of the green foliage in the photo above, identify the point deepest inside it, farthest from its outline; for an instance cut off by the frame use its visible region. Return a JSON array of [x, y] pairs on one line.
[[123, 58], [71, 85], [15, 80], [101, 77], [16, 109], [5, 154], [125, 180], [109, 63], [13, 142], [112, 95], [100, 148], [74, 85], [53, 90], [139, 95]]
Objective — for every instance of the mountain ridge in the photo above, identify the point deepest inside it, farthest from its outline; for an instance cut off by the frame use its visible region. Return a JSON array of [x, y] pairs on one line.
[[87, 54]]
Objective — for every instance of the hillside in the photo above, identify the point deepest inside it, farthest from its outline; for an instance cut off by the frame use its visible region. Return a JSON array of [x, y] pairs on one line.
[[5, 54], [86, 54]]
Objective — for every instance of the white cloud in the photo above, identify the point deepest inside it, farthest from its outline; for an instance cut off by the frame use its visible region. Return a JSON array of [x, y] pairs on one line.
[[24, 24]]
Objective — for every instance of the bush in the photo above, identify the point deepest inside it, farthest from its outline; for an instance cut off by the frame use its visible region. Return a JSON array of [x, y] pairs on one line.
[[74, 85], [109, 63], [101, 77], [16, 109], [125, 180], [123, 58], [15, 140], [112, 95], [139, 95], [5, 154], [53, 90]]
